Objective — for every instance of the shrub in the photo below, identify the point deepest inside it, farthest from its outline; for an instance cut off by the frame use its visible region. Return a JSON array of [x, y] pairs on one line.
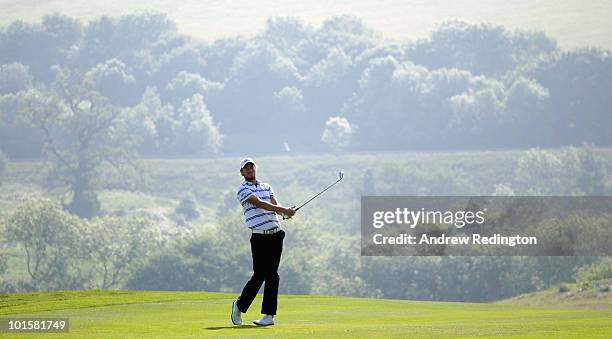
[[188, 208], [598, 270], [563, 289]]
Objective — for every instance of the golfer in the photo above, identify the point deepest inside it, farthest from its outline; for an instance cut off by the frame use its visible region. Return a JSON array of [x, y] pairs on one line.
[[260, 209]]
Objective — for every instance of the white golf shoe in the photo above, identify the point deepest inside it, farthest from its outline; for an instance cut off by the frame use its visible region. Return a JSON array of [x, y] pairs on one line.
[[267, 320], [236, 314]]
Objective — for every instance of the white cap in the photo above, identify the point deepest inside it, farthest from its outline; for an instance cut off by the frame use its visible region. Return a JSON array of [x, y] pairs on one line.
[[245, 161]]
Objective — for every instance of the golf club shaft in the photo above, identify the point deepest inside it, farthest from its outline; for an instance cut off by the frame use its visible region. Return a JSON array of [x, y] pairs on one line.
[[309, 200]]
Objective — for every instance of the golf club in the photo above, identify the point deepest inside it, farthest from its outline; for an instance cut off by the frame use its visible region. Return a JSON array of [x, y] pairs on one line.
[[340, 176]]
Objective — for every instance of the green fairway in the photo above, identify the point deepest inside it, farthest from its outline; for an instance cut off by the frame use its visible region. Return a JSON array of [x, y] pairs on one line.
[[133, 314]]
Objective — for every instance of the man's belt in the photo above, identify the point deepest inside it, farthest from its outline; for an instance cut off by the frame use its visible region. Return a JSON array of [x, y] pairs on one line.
[[270, 231]]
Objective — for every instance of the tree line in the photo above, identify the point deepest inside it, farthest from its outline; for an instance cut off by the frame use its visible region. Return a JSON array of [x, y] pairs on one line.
[[336, 87]]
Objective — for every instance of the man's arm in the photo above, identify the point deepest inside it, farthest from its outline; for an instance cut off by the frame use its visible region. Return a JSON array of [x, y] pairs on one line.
[[273, 206]]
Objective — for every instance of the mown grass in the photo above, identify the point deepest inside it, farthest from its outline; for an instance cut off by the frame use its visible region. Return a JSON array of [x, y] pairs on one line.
[[133, 314]]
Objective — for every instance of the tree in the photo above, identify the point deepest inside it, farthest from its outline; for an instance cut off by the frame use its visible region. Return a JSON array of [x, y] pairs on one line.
[[126, 38], [539, 173], [572, 171], [3, 256], [81, 130], [288, 110], [480, 48], [579, 83], [188, 207], [369, 183], [527, 120], [258, 71], [184, 85], [39, 46], [2, 265], [153, 123], [14, 77], [115, 246], [48, 236], [18, 139], [195, 264], [114, 80], [166, 271], [593, 172], [3, 165], [337, 133], [599, 270], [198, 133], [289, 100], [327, 86]]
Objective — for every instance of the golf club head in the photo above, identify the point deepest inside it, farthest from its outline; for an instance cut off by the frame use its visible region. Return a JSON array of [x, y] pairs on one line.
[[340, 175]]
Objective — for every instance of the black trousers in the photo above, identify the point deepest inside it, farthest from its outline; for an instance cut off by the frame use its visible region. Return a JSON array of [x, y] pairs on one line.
[[266, 250]]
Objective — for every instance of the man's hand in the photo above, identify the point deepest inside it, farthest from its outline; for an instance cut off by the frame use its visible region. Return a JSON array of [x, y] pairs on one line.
[[289, 212]]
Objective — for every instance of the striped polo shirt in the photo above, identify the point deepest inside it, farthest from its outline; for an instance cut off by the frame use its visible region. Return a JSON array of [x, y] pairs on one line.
[[254, 217]]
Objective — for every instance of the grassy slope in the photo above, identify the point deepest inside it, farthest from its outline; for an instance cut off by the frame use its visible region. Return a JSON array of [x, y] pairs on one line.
[[104, 314], [572, 299], [295, 179]]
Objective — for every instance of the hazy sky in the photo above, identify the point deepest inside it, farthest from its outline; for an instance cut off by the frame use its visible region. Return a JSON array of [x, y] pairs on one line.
[[573, 23]]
